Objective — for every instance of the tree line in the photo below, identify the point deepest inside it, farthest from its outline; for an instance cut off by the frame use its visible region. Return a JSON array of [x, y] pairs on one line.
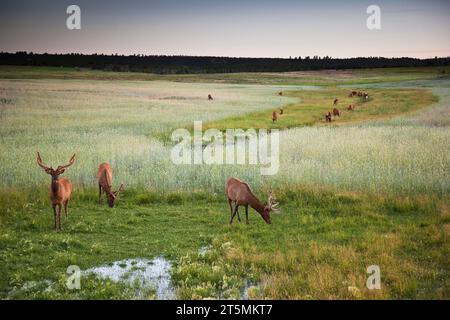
[[162, 64]]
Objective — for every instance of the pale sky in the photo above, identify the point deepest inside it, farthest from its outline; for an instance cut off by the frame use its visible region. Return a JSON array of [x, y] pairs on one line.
[[239, 28]]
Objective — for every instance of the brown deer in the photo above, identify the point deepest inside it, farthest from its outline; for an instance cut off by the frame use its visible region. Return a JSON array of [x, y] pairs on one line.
[[328, 117], [60, 189], [350, 107], [104, 178], [280, 93], [335, 102], [274, 116], [210, 97], [336, 112], [240, 193]]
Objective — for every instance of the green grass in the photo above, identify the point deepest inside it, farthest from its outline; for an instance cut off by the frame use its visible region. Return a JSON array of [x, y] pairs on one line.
[[323, 77], [313, 105], [371, 188], [319, 245]]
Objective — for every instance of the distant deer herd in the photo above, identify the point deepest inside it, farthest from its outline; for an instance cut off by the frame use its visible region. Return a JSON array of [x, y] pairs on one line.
[[330, 114], [351, 107], [238, 193]]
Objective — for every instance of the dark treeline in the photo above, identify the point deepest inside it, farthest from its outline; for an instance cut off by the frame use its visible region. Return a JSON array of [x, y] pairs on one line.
[[188, 64]]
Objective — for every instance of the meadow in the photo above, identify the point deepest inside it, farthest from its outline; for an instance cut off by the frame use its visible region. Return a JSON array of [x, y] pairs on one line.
[[370, 188]]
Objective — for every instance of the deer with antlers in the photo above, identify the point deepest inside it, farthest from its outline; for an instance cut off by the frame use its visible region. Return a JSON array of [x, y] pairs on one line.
[[104, 178], [60, 189], [240, 194]]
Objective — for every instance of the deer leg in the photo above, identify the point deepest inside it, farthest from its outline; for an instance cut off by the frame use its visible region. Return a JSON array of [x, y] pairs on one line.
[[246, 214], [59, 216], [99, 193], [65, 208], [54, 215], [238, 215], [234, 213]]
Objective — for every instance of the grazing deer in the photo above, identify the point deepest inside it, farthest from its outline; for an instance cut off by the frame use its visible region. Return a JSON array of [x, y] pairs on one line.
[[274, 116], [60, 189], [210, 97], [104, 178], [336, 112], [328, 117], [354, 93], [335, 102], [240, 193]]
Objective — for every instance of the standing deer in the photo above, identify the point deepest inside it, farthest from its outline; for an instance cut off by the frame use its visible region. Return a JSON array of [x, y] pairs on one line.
[[336, 112], [240, 193], [335, 102], [274, 116], [60, 189], [104, 178], [328, 117], [210, 97], [351, 107]]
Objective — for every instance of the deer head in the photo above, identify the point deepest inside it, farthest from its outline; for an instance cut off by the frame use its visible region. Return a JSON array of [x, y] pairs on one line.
[[270, 206], [54, 172], [112, 196]]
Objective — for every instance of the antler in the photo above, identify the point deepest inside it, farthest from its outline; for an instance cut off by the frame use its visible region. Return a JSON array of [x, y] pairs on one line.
[[273, 203], [71, 161], [40, 163]]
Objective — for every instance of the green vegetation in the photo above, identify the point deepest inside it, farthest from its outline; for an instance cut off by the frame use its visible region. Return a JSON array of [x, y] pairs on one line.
[[371, 188], [310, 110], [319, 245], [324, 77]]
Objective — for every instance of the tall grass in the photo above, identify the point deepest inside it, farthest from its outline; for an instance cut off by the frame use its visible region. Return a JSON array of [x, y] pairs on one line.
[[121, 122]]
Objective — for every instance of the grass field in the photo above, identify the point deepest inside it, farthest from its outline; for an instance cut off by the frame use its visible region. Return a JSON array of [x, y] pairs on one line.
[[370, 188]]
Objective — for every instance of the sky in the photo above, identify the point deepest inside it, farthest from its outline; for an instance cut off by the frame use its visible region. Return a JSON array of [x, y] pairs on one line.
[[238, 28]]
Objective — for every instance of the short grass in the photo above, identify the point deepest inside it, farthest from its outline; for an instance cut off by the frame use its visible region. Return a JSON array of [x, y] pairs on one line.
[[319, 245], [322, 77], [313, 105]]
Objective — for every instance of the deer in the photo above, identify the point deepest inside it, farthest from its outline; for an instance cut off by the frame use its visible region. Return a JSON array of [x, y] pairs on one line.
[[350, 107], [60, 189], [335, 102], [281, 111], [336, 112], [210, 97], [280, 93], [328, 117], [274, 116], [240, 193], [104, 178]]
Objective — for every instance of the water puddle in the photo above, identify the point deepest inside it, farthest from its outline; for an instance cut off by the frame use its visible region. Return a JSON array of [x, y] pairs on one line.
[[147, 274]]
